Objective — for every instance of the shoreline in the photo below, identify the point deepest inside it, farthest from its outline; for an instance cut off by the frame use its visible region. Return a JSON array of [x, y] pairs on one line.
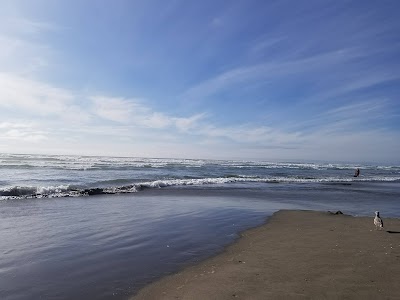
[[295, 254]]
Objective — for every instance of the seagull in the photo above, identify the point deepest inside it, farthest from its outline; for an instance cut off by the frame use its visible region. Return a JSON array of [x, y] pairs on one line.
[[378, 221]]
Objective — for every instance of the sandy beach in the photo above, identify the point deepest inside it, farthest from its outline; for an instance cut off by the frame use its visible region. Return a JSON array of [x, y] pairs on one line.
[[296, 255]]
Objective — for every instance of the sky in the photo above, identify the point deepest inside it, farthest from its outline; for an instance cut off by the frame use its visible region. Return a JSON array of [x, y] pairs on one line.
[[254, 80]]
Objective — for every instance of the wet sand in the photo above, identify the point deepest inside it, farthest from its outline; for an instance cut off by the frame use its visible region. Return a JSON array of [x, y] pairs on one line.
[[296, 255]]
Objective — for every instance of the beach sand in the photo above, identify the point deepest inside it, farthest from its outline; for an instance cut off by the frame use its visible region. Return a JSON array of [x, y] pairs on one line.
[[296, 255]]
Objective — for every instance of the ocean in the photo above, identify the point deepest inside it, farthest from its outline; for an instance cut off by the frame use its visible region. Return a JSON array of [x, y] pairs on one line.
[[75, 227]]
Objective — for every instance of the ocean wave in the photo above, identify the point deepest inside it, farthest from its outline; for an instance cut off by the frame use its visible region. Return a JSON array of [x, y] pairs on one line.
[[32, 191], [26, 192], [91, 166], [83, 163]]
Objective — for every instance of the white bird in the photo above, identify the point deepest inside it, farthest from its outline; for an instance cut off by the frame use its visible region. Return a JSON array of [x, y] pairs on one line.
[[378, 221]]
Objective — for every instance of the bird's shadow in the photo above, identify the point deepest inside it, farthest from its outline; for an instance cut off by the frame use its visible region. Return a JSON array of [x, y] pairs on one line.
[[391, 231]]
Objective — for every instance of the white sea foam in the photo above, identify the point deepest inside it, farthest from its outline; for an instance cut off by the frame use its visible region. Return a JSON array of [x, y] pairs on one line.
[[97, 162], [13, 192], [60, 176]]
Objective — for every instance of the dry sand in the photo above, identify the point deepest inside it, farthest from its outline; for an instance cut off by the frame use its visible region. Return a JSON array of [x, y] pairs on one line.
[[296, 255]]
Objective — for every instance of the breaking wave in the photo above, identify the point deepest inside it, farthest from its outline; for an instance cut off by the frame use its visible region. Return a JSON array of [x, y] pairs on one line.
[[29, 192]]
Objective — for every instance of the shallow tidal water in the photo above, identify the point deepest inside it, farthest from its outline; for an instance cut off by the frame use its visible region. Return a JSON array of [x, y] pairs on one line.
[[109, 246]]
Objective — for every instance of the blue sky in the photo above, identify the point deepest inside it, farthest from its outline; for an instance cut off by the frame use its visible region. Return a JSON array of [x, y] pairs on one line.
[[268, 80]]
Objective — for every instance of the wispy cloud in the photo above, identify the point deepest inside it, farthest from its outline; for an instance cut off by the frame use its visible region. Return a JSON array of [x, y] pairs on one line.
[[21, 56], [185, 124], [270, 70], [25, 26], [21, 131], [117, 109], [58, 110], [135, 112], [23, 48], [129, 119], [39, 99], [263, 44]]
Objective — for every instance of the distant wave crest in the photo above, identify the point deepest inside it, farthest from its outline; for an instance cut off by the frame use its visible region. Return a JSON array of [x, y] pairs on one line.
[[84, 163]]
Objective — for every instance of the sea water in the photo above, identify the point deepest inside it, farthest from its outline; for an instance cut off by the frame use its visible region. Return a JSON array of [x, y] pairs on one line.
[[75, 227]]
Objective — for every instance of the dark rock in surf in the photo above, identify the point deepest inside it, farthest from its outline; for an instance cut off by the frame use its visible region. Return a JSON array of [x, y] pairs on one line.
[[335, 213], [95, 191]]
